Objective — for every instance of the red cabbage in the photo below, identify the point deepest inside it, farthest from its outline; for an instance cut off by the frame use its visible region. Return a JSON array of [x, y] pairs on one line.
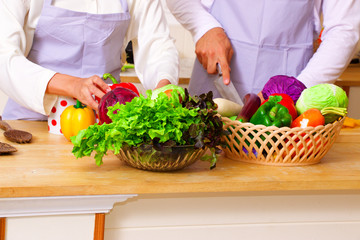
[[283, 84], [118, 94]]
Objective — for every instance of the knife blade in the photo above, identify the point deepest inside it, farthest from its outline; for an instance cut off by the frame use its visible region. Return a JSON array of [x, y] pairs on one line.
[[228, 92]]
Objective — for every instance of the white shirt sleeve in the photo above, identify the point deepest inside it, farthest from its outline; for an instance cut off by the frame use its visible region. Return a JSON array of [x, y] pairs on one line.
[[194, 16], [155, 54], [22, 80], [341, 21]]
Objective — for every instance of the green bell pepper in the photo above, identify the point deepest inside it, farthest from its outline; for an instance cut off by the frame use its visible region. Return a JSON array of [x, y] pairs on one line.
[[271, 113]]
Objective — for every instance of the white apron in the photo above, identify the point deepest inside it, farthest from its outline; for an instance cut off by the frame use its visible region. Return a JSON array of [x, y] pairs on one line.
[[75, 43], [269, 37]]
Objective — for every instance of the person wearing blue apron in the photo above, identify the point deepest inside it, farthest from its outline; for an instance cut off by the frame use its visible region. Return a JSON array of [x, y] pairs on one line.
[[75, 45], [268, 38]]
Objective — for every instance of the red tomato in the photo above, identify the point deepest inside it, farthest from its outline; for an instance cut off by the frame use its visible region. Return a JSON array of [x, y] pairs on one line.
[[310, 118], [286, 102]]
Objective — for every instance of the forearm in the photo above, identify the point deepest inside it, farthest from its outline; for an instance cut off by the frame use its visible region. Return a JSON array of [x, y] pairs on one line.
[[62, 84]]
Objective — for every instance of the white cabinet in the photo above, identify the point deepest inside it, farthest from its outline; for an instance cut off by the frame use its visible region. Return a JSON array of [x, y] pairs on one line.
[[254, 216]]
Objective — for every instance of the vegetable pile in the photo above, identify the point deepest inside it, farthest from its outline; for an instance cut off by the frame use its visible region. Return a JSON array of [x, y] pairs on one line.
[[288, 103], [161, 122], [330, 99], [294, 105]]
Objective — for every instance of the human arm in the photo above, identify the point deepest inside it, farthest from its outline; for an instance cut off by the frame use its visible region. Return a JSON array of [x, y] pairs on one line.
[[212, 45], [22, 80], [155, 55], [81, 88], [341, 21]]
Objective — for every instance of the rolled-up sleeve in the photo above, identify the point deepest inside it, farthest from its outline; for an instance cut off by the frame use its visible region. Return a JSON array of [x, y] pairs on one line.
[[155, 53]]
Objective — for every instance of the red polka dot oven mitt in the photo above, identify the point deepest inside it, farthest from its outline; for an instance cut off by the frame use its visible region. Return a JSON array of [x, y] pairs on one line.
[[54, 117]]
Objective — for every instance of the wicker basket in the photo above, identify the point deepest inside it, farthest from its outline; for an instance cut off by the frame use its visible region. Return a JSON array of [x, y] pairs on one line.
[[173, 158], [279, 146]]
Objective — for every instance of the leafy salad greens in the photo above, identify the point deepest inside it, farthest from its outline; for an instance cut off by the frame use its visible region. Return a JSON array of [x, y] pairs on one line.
[[157, 122]]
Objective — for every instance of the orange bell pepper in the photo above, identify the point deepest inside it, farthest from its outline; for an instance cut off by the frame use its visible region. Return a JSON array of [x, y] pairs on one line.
[[310, 118]]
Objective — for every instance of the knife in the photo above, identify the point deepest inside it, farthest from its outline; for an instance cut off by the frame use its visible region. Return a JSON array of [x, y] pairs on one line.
[[228, 92]]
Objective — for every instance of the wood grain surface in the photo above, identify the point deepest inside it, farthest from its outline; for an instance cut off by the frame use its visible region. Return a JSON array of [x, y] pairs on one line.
[[350, 77], [46, 167]]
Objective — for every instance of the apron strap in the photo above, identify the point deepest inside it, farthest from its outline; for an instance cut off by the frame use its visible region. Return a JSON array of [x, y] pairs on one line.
[[124, 5], [48, 2]]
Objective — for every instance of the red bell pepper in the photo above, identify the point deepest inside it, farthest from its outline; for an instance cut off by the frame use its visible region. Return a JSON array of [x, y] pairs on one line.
[[286, 102], [115, 84]]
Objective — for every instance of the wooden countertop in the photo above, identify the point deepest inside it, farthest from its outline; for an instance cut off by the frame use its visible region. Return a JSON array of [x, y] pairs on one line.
[[350, 77], [46, 167]]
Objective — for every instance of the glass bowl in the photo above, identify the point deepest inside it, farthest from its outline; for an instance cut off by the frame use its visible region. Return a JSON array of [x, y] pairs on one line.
[[169, 159]]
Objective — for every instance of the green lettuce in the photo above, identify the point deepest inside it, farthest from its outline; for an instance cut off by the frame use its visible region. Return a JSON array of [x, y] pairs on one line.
[[158, 122]]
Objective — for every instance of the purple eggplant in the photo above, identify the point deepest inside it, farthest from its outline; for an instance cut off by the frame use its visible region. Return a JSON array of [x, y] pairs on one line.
[[251, 104]]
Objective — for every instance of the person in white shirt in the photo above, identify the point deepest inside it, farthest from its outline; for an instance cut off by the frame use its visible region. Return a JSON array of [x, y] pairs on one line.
[[52, 48], [255, 40]]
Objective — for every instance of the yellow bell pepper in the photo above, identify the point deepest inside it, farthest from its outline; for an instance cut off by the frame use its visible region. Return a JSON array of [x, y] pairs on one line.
[[75, 118]]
